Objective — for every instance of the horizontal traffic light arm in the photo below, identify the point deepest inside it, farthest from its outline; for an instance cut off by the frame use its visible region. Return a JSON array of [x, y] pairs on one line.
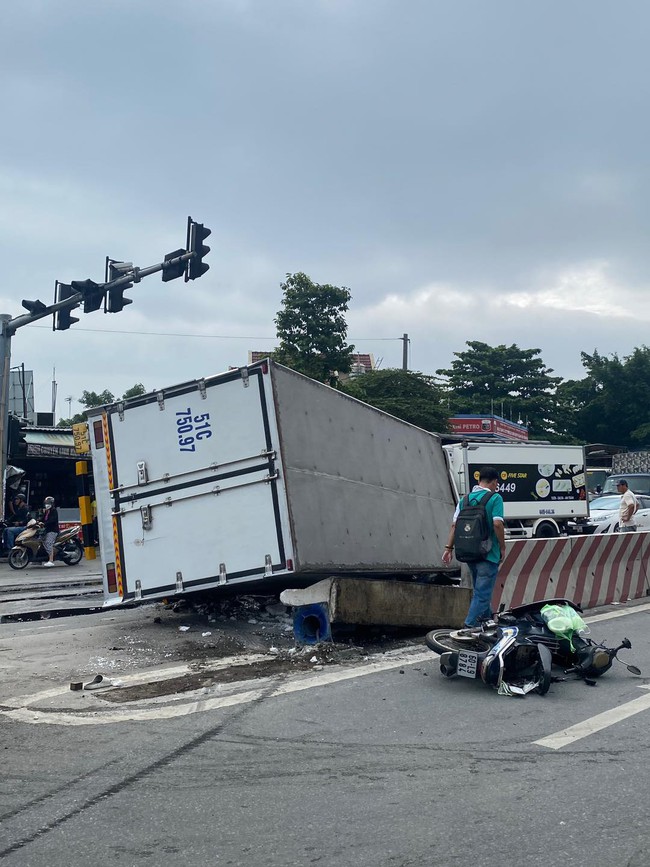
[[132, 276], [13, 324]]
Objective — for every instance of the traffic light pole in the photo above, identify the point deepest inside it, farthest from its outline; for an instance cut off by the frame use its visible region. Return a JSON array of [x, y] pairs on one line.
[[175, 264]]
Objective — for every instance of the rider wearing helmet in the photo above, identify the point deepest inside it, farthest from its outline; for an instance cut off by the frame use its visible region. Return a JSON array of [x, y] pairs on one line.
[[17, 522], [51, 526]]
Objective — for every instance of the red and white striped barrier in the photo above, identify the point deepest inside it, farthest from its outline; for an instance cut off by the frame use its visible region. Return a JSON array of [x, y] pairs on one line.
[[589, 570]]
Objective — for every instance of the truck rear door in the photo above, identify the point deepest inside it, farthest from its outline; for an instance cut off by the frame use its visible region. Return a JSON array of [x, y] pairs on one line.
[[196, 493]]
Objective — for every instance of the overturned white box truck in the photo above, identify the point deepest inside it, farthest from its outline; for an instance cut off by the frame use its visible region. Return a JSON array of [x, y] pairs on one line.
[[257, 476]]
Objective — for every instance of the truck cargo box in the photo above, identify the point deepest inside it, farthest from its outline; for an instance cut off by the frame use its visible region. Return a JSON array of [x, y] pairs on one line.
[[257, 475]]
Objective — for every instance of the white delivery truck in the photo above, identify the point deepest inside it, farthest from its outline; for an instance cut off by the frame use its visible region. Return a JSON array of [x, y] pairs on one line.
[[261, 476], [543, 486]]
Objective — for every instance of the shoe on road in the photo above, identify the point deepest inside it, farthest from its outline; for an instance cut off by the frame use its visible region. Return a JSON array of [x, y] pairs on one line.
[[47, 563]]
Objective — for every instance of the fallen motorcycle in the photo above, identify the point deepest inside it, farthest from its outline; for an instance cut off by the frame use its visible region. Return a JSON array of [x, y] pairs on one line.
[[515, 652], [28, 546]]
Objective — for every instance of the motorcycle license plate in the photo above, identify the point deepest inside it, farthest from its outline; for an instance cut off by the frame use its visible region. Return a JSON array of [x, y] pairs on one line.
[[467, 663]]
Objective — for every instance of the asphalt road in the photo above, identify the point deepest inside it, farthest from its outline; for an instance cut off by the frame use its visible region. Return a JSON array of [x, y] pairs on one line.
[[376, 762], [35, 589]]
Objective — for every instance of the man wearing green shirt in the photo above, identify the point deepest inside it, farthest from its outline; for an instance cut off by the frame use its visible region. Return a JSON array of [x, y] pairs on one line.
[[484, 572]]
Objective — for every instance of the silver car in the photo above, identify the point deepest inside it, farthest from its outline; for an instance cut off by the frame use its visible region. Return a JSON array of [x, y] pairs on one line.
[[603, 514]]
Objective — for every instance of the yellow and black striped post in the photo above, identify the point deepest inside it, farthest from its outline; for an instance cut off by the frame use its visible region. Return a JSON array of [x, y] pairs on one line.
[[83, 492]]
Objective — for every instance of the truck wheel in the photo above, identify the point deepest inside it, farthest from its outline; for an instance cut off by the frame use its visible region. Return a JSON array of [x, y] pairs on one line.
[[546, 530]]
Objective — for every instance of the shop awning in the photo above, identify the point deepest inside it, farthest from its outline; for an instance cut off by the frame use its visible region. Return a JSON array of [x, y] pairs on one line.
[[55, 444]]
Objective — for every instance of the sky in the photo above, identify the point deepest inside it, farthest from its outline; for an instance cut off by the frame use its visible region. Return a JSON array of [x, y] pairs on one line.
[[469, 170]]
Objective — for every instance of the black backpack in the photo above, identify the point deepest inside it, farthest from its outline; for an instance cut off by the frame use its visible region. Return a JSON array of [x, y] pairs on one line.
[[473, 534]]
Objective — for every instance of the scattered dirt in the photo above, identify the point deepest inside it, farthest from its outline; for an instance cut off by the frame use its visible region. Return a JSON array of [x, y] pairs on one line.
[[214, 629], [189, 682], [196, 633]]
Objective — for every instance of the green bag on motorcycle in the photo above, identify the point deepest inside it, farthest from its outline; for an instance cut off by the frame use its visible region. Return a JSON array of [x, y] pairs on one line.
[[564, 621]]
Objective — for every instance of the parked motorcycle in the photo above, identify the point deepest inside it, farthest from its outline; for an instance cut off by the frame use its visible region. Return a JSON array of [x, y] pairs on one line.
[[515, 652], [29, 548]]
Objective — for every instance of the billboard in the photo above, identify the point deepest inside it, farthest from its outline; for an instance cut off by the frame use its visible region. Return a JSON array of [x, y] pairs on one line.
[[491, 427]]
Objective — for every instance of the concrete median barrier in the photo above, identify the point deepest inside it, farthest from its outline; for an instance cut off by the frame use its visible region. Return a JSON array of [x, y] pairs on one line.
[[351, 601], [590, 570]]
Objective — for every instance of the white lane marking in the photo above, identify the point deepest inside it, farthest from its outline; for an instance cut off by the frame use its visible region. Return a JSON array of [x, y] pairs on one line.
[[34, 716], [609, 717], [610, 615], [152, 674], [23, 706], [595, 723]]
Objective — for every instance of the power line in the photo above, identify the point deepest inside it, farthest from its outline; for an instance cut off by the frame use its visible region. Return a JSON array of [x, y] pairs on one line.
[[211, 336]]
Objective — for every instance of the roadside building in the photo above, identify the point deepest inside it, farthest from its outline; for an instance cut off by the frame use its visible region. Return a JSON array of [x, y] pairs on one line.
[[47, 457]]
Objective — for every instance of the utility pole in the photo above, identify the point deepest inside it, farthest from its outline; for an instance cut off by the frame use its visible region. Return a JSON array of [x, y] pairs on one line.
[[22, 384], [405, 351], [186, 262], [5, 362]]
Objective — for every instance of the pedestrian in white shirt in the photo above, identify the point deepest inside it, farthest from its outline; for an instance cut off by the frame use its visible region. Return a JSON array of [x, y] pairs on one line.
[[627, 508]]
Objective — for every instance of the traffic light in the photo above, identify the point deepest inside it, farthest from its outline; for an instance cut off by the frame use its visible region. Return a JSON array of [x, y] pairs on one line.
[[93, 294], [174, 271], [196, 235], [34, 306], [62, 318], [17, 447], [115, 300]]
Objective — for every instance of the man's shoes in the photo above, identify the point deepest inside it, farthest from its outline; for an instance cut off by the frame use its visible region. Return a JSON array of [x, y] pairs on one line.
[[47, 563]]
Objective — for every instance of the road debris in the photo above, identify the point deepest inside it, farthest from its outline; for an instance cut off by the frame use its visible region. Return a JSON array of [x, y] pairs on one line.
[[98, 682]]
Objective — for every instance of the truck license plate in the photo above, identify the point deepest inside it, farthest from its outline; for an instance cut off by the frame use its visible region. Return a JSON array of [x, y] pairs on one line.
[[467, 663]]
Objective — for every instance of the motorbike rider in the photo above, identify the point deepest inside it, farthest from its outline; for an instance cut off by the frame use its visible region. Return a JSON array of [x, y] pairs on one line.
[[51, 527], [16, 523]]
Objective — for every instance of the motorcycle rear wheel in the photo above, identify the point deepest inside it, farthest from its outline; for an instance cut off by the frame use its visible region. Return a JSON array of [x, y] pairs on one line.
[[72, 552], [19, 558], [440, 641]]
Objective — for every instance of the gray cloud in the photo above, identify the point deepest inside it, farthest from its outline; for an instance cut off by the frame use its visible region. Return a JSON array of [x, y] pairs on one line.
[[460, 167]]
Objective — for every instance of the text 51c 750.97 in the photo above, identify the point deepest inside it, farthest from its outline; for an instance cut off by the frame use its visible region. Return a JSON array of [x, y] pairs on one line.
[[191, 429]]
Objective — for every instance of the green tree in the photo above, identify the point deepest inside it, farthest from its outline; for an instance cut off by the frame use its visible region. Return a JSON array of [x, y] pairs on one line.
[[505, 380], [135, 391], [93, 398], [409, 395], [312, 329], [612, 403]]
